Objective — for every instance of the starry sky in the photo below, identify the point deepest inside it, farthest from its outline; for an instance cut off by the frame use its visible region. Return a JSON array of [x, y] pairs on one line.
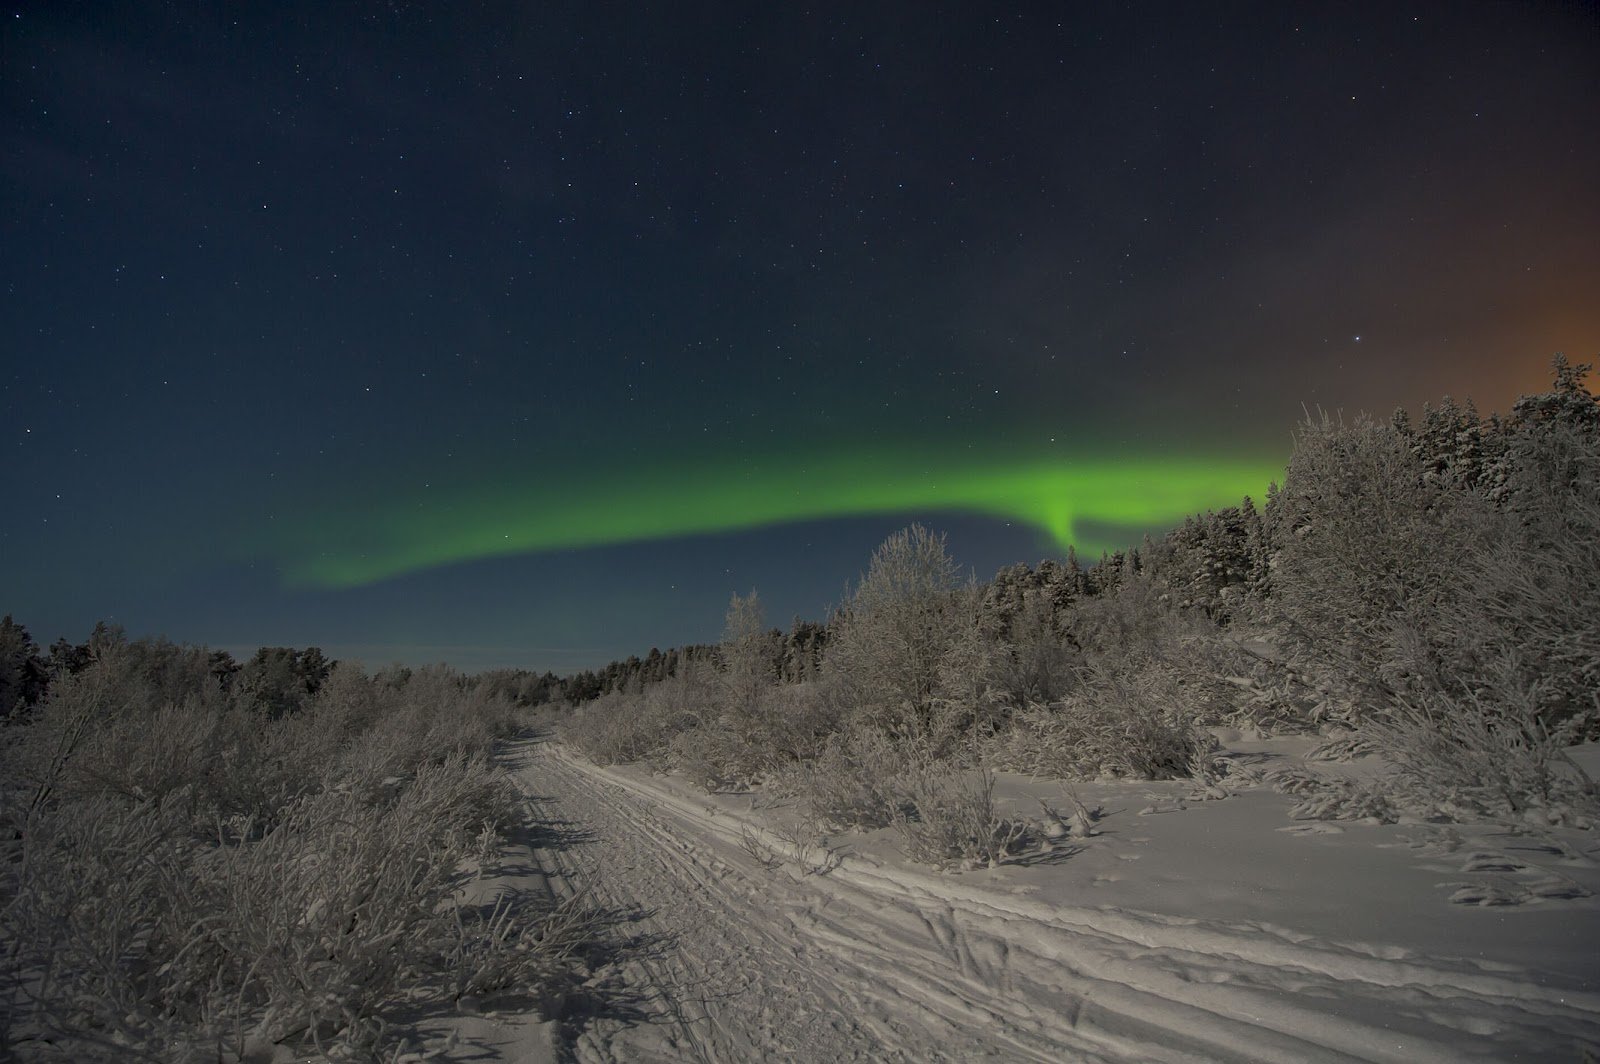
[[526, 333]]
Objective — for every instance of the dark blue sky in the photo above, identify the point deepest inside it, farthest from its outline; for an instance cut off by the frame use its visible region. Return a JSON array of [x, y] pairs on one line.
[[300, 284]]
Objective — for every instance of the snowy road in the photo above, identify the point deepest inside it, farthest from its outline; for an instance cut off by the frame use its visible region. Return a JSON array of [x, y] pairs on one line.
[[741, 962]]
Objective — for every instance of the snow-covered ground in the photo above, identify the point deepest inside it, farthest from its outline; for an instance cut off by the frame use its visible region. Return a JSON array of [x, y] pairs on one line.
[[1182, 930]]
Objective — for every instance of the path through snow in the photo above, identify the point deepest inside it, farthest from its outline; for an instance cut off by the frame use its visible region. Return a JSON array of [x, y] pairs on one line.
[[736, 961]]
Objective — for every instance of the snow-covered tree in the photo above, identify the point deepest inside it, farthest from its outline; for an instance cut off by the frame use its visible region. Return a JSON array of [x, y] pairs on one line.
[[887, 644], [746, 652]]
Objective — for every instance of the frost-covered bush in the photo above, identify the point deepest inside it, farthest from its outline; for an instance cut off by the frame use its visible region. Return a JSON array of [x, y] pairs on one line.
[[795, 724], [521, 941], [1325, 797], [1122, 720], [853, 783], [1484, 694], [1133, 618], [1359, 539], [752, 741], [435, 712], [608, 730], [944, 813], [185, 881], [622, 727], [129, 935], [1523, 618], [1185, 660], [1464, 756], [887, 645], [1035, 658], [949, 819], [1144, 675]]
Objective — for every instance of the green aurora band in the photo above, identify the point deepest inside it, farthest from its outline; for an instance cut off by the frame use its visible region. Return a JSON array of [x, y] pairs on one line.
[[367, 544]]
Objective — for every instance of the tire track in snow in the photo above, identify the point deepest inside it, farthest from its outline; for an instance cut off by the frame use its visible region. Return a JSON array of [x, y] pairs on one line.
[[879, 963], [725, 981]]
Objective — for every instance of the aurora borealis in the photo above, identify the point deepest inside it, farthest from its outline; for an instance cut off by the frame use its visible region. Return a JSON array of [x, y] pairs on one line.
[[1057, 498], [511, 334]]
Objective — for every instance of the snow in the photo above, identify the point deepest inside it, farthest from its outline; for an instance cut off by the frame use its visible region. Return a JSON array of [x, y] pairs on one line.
[[1181, 930]]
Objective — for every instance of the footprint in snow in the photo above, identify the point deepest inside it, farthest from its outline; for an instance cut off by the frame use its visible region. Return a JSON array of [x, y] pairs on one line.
[[1485, 894], [1491, 862], [1548, 888]]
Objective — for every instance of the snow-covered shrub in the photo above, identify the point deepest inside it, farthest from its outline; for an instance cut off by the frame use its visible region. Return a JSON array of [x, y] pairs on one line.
[[522, 941], [1034, 661], [1134, 617], [751, 739], [621, 727], [1463, 755], [853, 783], [607, 730], [1483, 695], [436, 712], [1342, 745], [1360, 538], [180, 881], [747, 657], [1121, 721], [970, 704], [41, 757], [147, 755], [796, 722], [1480, 665], [887, 644], [88, 917], [131, 937], [727, 722], [949, 819], [1261, 695], [1141, 680], [1522, 623], [1327, 797]]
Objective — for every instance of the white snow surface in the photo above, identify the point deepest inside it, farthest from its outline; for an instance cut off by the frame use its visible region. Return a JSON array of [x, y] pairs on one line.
[[1182, 931]]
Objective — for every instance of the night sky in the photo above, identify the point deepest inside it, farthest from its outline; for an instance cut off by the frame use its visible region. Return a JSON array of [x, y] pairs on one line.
[[526, 333]]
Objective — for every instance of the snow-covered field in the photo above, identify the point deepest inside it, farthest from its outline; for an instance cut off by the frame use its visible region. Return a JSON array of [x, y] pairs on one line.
[[1180, 930]]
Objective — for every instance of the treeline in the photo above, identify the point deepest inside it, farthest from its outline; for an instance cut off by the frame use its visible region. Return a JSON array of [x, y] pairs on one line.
[[791, 657], [1221, 563], [274, 681], [1428, 586]]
